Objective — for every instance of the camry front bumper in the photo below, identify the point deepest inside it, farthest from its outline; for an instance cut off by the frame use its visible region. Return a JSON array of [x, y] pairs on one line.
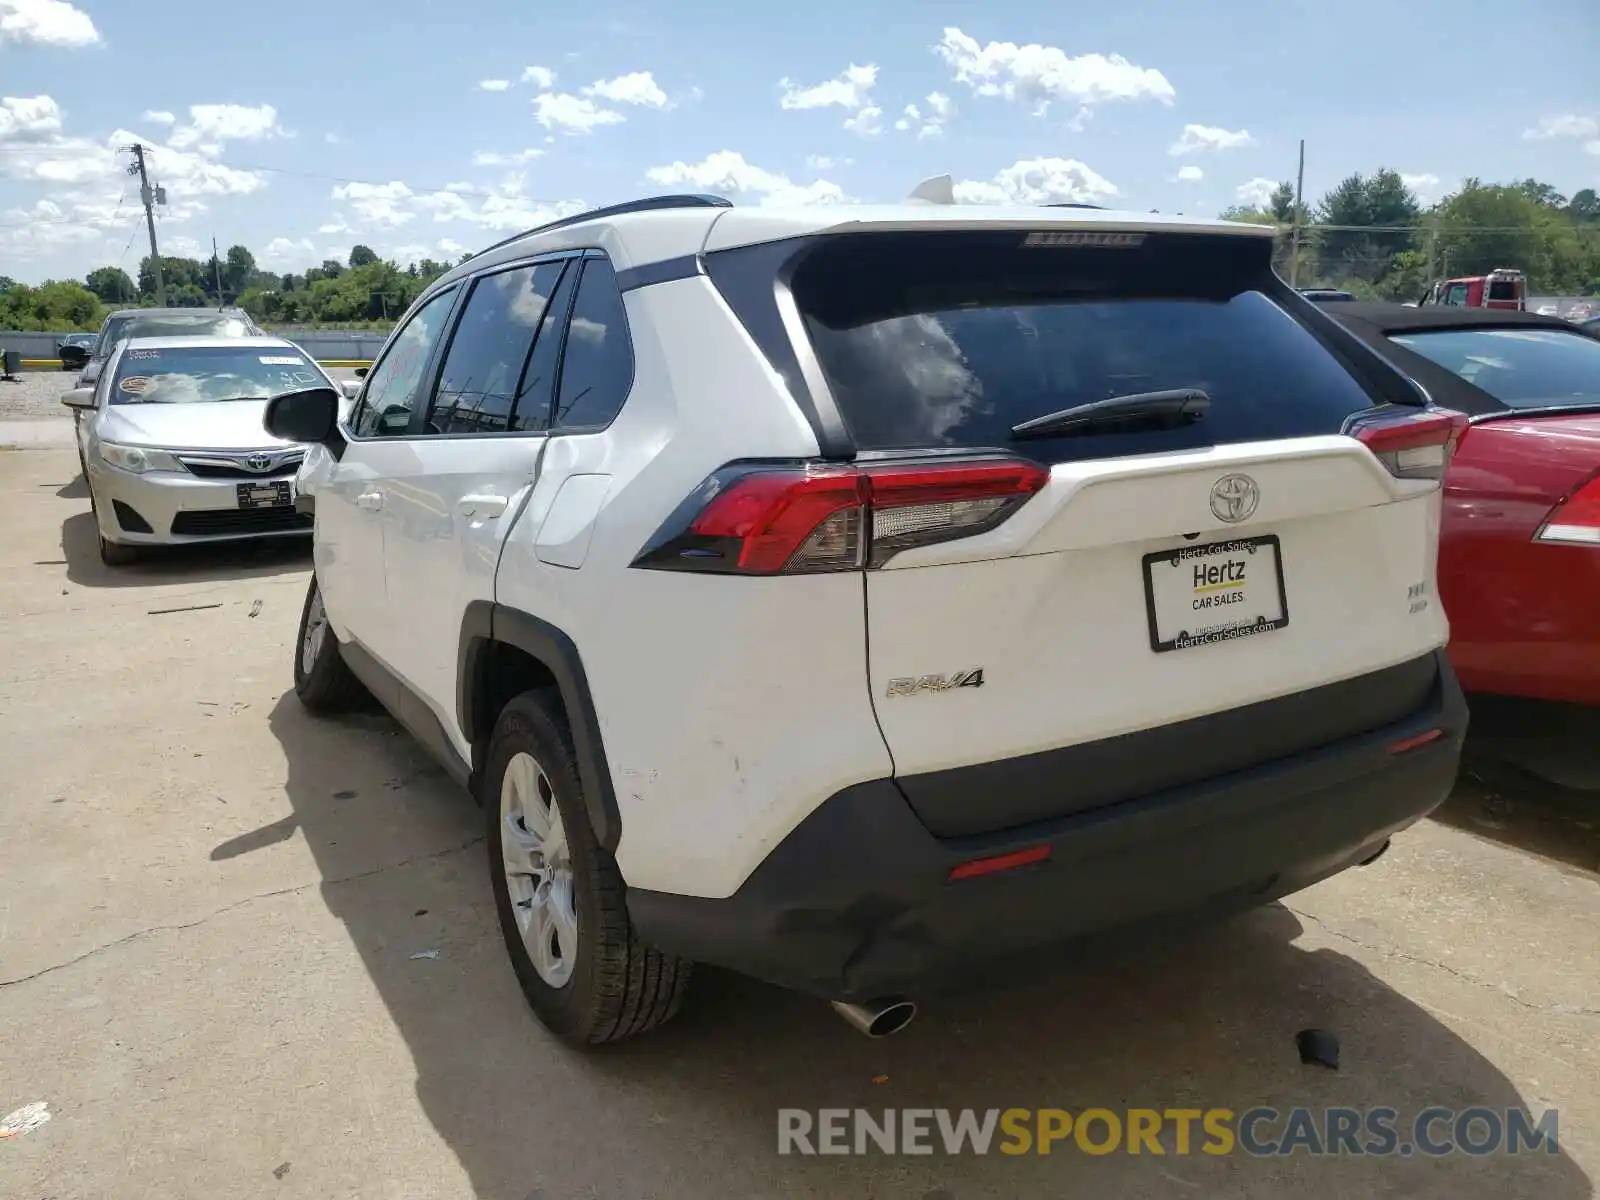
[[161, 508]]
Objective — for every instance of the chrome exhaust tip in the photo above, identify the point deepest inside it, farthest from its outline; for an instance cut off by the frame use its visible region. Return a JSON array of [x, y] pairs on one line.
[[877, 1018]]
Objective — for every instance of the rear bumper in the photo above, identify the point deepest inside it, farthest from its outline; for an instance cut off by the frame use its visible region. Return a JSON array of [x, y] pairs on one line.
[[856, 902]]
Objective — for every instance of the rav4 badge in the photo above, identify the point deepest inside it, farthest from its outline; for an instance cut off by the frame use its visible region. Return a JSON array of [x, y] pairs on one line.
[[922, 684]]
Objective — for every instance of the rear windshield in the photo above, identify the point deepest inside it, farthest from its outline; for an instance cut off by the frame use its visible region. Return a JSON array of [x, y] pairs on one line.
[[948, 340], [1502, 289], [200, 324], [1521, 368], [197, 374]]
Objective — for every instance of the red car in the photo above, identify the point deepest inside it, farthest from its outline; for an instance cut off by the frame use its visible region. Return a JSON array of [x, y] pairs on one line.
[[1519, 552]]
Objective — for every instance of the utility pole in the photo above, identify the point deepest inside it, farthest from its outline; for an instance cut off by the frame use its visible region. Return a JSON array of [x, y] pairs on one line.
[[1294, 244], [147, 197], [217, 264]]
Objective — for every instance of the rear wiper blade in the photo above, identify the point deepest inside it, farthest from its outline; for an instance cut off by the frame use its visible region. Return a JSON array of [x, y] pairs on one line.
[[1166, 409]]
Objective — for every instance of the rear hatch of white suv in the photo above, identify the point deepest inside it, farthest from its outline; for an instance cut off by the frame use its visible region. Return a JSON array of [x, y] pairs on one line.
[[1129, 513]]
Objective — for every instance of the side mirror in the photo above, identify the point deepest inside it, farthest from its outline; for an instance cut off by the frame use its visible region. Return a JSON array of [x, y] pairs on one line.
[[82, 397], [350, 387], [361, 372], [310, 417]]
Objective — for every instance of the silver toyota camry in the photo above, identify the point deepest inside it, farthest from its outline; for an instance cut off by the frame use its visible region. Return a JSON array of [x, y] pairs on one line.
[[172, 447]]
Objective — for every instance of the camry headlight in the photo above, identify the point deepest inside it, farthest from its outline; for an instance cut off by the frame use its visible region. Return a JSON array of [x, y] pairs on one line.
[[138, 459]]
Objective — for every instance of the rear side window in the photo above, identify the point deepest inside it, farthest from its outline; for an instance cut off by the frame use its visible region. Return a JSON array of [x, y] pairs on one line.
[[482, 382], [1521, 368], [597, 366], [948, 340]]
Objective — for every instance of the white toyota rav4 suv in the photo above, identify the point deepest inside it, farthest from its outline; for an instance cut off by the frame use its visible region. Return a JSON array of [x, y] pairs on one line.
[[863, 598]]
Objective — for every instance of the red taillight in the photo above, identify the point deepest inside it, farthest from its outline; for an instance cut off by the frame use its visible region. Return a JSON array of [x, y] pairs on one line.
[[765, 521], [1412, 445], [1000, 862], [1576, 520]]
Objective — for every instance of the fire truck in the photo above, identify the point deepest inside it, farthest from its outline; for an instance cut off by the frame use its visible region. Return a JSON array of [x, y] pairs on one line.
[[1503, 287]]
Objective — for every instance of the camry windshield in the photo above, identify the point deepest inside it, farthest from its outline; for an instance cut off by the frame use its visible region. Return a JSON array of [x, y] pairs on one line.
[[1521, 368], [202, 374]]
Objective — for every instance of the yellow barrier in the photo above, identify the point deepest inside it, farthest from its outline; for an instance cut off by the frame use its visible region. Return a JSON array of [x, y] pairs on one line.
[[54, 364]]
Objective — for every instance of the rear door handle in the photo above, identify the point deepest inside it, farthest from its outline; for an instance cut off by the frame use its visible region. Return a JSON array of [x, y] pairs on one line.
[[370, 500], [482, 506]]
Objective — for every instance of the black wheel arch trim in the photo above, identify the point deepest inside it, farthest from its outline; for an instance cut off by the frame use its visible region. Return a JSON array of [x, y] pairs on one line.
[[485, 623]]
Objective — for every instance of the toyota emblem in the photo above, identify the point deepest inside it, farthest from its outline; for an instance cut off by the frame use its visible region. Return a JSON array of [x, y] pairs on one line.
[[260, 462], [1234, 498]]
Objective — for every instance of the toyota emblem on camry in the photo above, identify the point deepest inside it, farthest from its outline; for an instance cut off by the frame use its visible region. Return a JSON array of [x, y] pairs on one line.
[[260, 462], [1234, 498]]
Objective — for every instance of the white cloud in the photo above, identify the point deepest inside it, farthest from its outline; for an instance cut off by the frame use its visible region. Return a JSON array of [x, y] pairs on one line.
[[1037, 75], [638, 88], [865, 122], [1424, 184], [333, 139], [825, 162], [158, 117], [336, 224], [1190, 174], [90, 193], [540, 77], [850, 89], [1592, 147], [214, 124], [283, 254], [28, 118], [1564, 126], [1257, 192], [496, 158], [493, 85], [47, 22], [572, 114], [183, 246], [727, 171], [1036, 181], [928, 120], [379, 204], [1197, 138]]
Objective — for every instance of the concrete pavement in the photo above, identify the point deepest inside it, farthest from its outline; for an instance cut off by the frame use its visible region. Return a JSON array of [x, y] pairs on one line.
[[211, 902]]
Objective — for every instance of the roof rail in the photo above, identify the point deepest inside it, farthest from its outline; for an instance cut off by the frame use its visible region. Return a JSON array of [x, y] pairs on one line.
[[1073, 204], [648, 204]]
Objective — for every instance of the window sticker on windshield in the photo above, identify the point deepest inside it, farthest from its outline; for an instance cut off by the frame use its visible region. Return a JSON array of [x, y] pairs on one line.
[[134, 384], [281, 360], [142, 354]]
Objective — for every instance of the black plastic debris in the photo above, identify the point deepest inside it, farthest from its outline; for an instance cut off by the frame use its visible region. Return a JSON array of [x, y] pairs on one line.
[[1318, 1047]]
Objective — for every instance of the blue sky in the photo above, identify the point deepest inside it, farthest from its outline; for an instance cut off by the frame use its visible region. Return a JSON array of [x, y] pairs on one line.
[[428, 127]]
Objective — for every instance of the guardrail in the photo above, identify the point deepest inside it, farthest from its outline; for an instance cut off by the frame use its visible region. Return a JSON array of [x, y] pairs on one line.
[[54, 364]]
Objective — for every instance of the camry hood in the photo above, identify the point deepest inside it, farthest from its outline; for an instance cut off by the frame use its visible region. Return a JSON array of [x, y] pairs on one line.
[[223, 425]]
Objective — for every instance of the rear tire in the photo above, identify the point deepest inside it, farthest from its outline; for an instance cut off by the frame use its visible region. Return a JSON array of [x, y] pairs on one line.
[[323, 681], [556, 888], [116, 554]]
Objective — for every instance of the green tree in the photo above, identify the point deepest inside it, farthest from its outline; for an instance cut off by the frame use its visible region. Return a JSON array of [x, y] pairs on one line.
[[1358, 208], [362, 256], [112, 285], [1584, 206], [238, 271], [1482, 227]]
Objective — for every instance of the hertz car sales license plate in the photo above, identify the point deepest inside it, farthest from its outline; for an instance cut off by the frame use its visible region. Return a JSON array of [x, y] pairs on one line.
[[1215, 592], [274, 494]]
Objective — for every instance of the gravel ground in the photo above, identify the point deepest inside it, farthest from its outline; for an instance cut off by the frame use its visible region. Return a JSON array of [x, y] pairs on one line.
[[36, 397]]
